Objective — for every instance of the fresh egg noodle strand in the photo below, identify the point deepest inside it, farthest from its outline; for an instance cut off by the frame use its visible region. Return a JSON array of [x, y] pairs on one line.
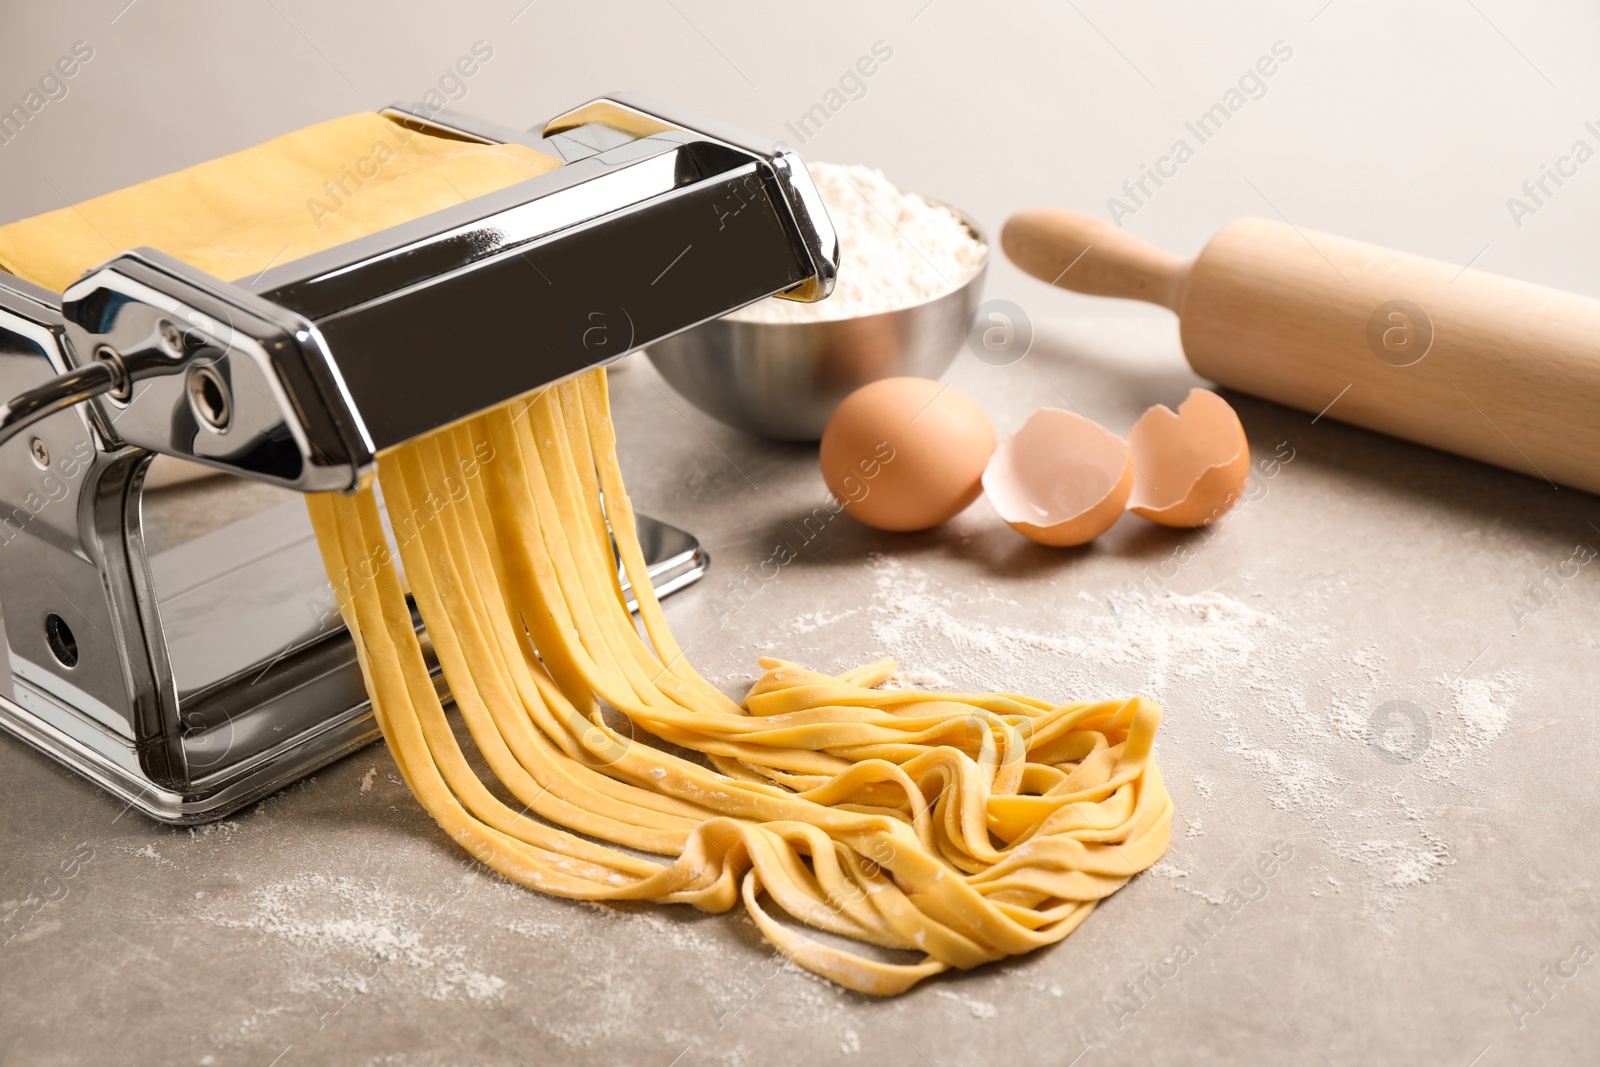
[[960, 827]]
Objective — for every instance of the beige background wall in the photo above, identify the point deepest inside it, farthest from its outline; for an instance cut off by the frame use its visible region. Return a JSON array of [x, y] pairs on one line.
[[1407, 124]]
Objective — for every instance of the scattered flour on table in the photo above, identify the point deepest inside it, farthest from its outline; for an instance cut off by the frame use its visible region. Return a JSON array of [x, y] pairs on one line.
[[218, 830], [617, 952], [1157, 636], [356, 935], [368, 778], [816, 620], [979, 1009], [1167, 869], [1482, 706], [1272, 696], [1477, 713], [148, 852], [895, 249]]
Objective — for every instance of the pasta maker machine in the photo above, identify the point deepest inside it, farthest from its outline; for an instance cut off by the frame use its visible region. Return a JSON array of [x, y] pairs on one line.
[[196, 680]]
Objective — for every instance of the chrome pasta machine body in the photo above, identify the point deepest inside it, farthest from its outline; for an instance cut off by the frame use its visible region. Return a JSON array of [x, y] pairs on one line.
[[195, 680]]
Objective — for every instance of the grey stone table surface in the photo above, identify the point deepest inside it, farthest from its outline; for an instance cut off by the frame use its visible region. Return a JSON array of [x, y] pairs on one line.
[[1378, 677]]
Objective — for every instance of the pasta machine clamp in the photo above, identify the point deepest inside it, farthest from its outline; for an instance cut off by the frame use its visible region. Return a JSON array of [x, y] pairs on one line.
[[193, 681]]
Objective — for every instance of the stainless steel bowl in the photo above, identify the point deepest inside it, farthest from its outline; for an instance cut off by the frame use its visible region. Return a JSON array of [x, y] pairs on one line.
[[783, 379]]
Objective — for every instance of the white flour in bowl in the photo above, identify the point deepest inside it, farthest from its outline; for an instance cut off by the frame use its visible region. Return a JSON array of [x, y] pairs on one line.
[[895, 249]]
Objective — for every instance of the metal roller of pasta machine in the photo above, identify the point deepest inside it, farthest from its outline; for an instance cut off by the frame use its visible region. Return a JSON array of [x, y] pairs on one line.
[[194, 681]]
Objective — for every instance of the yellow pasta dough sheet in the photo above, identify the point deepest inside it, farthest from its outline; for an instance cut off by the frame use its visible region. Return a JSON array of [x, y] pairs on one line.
[[294, 195]]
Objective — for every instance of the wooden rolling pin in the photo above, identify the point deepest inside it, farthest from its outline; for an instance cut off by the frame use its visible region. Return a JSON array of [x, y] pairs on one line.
[[1472, 363]]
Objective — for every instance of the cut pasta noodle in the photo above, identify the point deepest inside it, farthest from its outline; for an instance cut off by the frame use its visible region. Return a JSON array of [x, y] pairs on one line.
[[955, 828]]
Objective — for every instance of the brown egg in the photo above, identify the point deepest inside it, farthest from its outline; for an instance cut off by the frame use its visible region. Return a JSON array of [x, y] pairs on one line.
[[1191, 463], [1060, 480], [906, 453]]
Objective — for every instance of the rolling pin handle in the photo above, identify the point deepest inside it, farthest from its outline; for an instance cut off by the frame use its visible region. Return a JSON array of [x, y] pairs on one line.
[[1088, 255]]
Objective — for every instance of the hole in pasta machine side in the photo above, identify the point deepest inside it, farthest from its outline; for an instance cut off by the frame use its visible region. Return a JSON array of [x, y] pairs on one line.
[[58, 635], [209, 398]]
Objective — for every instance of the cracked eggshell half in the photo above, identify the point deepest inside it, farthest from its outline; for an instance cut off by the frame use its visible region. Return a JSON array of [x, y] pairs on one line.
[[1190, 464], [1061, 480]]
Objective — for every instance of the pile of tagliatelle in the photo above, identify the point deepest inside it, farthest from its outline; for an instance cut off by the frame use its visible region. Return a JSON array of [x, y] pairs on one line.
[[959, 828]]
